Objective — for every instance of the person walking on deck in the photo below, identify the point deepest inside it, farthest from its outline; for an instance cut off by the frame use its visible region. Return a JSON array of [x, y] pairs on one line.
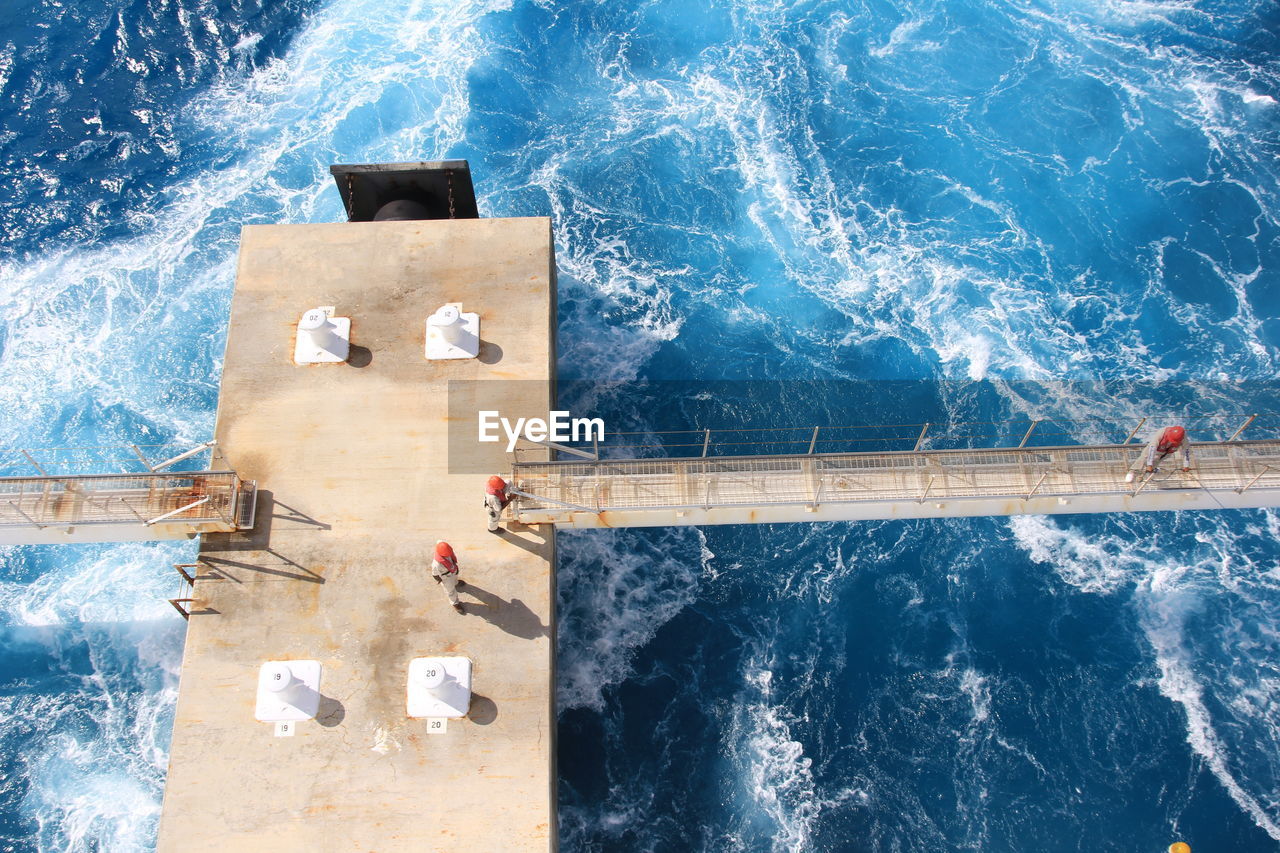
[[444, 568], [495, 500], [1166, 441]]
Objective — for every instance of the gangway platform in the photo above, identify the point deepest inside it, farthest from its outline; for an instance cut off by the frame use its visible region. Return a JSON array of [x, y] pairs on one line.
[[909, 484], [58, 510]]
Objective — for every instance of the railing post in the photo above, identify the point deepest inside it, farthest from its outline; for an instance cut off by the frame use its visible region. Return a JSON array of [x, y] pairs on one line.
[[1030, 430], [35, 464], [920, 440], [180, 509], [1264, 470], [1135, 431], [187, 455], [127, 506], [706, 442], [813, 442], [929, 486], [1243, 427], [1036, 487], [18, 509], [142, 458]]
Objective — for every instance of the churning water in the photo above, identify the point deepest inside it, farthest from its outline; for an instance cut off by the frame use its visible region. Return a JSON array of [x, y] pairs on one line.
[[742, 190]]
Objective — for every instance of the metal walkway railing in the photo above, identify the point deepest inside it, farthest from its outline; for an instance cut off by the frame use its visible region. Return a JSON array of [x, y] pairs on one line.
[[201, 502], [813, 487], [94, 507], [1009, 433]]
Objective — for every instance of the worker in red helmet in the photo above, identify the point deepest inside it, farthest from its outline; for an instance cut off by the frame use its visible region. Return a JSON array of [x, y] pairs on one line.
[[495, 500], [444, 568], [1166, 441]]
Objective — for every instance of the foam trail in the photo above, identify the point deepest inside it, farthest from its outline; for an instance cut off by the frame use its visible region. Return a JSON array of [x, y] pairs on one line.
[[283, 125], [1219, 572], [1165, 606], [121, 340], [779, 773], [616, 589]]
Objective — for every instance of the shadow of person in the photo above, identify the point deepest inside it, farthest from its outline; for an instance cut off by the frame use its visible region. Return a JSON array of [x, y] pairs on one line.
[[512, 616], [483, 710]]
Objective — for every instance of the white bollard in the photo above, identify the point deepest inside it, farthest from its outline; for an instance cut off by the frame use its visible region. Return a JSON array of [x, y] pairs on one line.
[[279, 678], [448, 320], [316, 326], [452, 333], [322, 338], [288, 690], [432, 675], [438, 687]]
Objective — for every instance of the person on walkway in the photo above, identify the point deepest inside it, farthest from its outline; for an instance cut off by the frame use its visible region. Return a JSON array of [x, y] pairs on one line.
[[444, 568], [495, 500], [1166, 441]]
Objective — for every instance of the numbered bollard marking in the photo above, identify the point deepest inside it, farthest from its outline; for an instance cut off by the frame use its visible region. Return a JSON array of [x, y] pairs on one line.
[[437, 725], [285, 729]]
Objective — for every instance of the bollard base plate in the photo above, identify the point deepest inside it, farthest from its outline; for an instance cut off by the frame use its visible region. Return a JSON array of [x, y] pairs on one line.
[[304, 352], [452, 699], [468, 346], [272, 708]]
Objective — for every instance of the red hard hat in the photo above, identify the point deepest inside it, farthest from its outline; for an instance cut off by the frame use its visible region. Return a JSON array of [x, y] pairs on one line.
[[444, 551], [1175, 434], [496, 484]]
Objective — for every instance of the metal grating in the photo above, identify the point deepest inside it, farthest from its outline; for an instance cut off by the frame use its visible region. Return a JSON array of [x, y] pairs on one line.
[[205, 497], [603, 486]]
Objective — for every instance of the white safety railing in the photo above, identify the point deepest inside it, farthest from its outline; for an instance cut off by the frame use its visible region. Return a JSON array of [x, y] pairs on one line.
[[215, 498], [893, 438], [119, 459], [545, 489]]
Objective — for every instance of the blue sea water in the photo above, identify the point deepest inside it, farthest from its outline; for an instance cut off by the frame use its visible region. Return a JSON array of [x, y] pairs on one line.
[[797, 192]]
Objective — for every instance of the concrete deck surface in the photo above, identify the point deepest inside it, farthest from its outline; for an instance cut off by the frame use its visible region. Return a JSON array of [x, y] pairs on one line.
[[351, 464]]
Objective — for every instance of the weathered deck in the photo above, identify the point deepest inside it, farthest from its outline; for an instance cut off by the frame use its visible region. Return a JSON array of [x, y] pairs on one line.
[[354, 490]]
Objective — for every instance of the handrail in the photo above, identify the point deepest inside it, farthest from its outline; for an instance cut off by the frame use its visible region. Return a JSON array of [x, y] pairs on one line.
[[1011, 433], [121, 499], [122, 458], [170, 475], [557, 488]]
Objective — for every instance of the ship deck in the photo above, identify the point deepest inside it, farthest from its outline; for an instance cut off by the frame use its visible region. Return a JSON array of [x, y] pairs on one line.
[[356, 483]]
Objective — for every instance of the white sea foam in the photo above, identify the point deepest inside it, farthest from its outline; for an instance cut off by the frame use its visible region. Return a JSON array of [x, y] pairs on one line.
[[1165, 603], [92, 746], [617, 589], [1088, 563], [866, 263], [1225, 659], [974, 686], [127, 582], [778, 773]]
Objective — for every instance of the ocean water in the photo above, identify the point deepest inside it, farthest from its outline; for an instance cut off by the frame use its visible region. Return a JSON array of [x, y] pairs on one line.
[[774, 195]]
